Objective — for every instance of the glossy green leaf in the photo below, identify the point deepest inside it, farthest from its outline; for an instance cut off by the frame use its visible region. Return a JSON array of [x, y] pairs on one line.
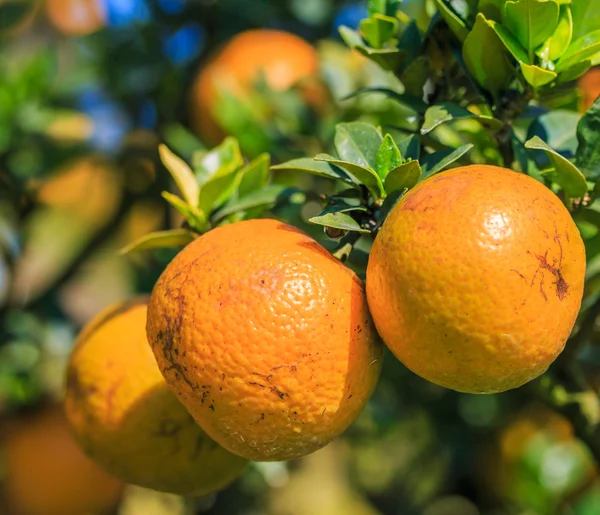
[[511, 43], [415, 76], [255, 175], [358, 142], [588, 135], [160, 240], [219, 188], [387, 58], [566, 174], [320, 168], [195, 217], [457, 25], [558, 43], [410, 147], [405, 176], [338, 220], [485, 57], [365, 175], [387, 7], [531, 21], [574, 72], [409, 101], [491, 9], [438, 161], [579, 51], [586, 17], [537, 76], [388, 157], [221, 160], [182, 175], [265, 198], [446, 112], [378, 29]]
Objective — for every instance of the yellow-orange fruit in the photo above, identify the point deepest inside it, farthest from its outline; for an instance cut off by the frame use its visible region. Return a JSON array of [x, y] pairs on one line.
[[46, 473], [590, 87], [266, 338], [285, 59], [76, 17], [128, 420], [476, 278]]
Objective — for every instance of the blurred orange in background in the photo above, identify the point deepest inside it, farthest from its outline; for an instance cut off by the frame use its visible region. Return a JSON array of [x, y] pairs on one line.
[[590, 87], [285, 59], [46, 473], [76, 17]]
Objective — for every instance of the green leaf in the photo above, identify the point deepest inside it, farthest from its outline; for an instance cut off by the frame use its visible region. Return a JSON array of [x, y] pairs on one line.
[[264, 198], [255, 175], [387, 7], [160, 240], [586, 17], [365, 175], [588, 134], [446, 112], [415, 76], [410, 147], [485, 57], [378, 29], [388, 157], [580, 50], [574, 72], [194, 216], [510, 42], [491, 9], [566, 174], [320, 168], [339, 221], [556, 45], [181, 173], [219, 189], [220, 160], [438, 161], [358, 142], [531, 21], [410, 101], [405, 176], [387, 58], [537, 76], [457, 25]]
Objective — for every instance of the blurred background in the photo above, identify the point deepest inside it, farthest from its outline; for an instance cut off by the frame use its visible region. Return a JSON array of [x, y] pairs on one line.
[[88, 89]]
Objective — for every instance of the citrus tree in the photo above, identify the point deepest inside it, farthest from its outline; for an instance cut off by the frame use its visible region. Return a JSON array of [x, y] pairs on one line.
[[436, 238], [496, 274]]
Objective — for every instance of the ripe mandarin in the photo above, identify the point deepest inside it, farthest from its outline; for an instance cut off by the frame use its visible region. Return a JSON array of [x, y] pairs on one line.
[[266, 339], [45, 472], [128, 420], [476, 278], [285, 59]]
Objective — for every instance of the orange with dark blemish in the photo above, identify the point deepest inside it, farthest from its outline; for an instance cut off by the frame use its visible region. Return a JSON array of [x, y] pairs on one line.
[[273, 350], [126, 417], [484, 299]]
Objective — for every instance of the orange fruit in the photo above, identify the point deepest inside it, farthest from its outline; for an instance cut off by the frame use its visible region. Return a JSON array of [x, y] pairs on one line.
[[285, 60], [76, 17], [476, 278], [125, 416], [266, 339], [48, 474], [590, 87]]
